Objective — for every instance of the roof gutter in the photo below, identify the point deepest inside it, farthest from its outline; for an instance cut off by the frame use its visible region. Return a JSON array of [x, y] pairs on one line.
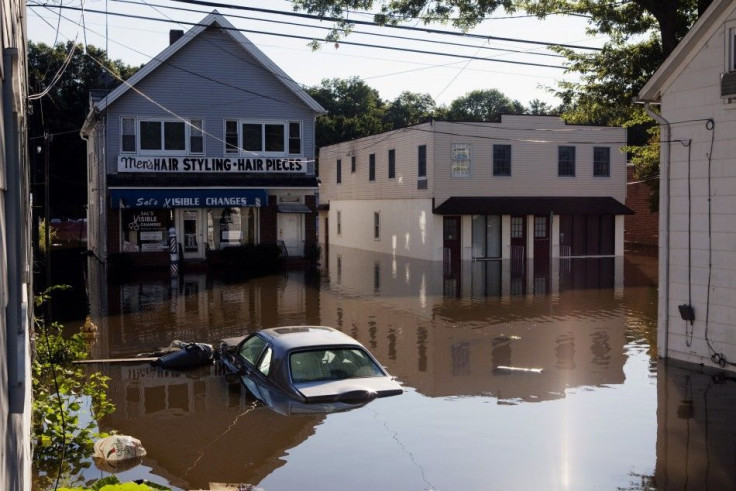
[[664, 229]]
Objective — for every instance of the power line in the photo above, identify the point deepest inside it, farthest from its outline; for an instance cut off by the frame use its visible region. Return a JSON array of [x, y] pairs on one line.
[[366, 33], [306, 38], [357, 22]]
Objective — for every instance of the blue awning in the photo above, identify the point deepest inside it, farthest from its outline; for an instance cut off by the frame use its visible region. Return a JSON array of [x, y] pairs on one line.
[[187, 198]]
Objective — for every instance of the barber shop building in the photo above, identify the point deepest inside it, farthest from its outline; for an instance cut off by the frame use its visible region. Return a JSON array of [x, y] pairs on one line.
[[210, 139]]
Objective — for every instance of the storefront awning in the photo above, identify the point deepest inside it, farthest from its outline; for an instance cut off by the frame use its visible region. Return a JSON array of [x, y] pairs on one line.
[[532, 205], [187, 198], [293, 208]]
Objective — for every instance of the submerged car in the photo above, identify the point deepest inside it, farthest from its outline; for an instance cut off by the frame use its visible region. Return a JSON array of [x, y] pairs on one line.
[[306, 369]]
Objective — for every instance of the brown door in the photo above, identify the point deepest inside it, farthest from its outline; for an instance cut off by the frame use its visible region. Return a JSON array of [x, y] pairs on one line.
[[451, 238], [541, 237]]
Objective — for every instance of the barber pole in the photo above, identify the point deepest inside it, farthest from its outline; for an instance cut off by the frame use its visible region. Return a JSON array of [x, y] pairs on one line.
[[173, 252]]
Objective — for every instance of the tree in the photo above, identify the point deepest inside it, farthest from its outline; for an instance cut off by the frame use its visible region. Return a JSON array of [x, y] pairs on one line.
[[354, 110], [483, 105], [61, 110], [410, 108], [540, 108]]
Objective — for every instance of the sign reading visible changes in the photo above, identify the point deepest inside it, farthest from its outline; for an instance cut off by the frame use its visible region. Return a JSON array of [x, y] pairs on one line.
[[209, 165]]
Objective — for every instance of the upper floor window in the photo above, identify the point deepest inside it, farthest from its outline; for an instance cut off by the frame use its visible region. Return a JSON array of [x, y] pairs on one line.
[[339, 222], [460, 160], [422, 161], [391, 164], [376, 225], [566, 161], [154, 135], [263, 137], [601, 161], [372, 167], [339, 171], [352, 164], [501, 160]]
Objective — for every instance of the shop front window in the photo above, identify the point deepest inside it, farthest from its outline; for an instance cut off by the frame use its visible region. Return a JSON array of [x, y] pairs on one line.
[[146, 230], [228, 227]]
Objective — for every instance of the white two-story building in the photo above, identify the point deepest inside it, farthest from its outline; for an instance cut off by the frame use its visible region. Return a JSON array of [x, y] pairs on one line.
[[529, 187]]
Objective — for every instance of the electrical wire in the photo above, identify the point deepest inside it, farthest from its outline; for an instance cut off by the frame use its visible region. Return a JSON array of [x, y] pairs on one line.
[[308, 38], [59, 73]]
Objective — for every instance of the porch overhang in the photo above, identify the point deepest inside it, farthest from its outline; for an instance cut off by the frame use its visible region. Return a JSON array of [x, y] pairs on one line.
[[532, 205]]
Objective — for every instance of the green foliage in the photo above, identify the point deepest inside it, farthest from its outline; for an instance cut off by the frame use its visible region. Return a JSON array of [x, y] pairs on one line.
[[483, 105], [42, 235], [354, 110], [408, 109], [67, 402], [63, 110], [112, 483]]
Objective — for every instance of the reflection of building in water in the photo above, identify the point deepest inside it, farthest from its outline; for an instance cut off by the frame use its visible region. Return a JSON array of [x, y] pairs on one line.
[[696, 432], [149, 313], [197, 429], [461, 342]]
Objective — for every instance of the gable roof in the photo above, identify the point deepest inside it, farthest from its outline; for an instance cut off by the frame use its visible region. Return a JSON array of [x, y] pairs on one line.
[[698, 35], [215, 18]]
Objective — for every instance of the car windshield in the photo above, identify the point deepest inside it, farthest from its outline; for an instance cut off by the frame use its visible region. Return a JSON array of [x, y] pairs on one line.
[[332, 364]]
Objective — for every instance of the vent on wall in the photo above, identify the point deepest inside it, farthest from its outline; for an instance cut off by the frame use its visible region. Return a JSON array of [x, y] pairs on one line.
[[728, 84]]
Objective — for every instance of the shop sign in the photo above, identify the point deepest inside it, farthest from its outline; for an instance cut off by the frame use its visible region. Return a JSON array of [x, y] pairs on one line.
[[145, 220], [209, 165], [187, 198]]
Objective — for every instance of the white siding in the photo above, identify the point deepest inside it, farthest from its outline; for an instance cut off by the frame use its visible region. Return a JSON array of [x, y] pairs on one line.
[[702, 232]]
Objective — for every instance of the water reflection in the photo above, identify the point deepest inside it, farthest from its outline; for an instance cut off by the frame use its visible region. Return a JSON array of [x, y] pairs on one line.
[[505, 364]]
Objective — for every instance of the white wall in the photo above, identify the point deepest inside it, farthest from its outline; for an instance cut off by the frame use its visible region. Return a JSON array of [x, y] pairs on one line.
[[702, 231], [408, 227]]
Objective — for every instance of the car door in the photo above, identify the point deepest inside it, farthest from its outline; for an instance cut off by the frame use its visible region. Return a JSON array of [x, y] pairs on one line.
[[256, 355]]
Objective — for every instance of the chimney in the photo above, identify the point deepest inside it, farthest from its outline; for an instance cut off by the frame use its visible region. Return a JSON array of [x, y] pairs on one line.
[[174, 35]]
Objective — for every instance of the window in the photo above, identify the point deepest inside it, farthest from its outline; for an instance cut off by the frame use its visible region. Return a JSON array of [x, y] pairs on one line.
[[540, 227], [422, 161], [501, 160], [460, 160], [264, 366], [601, 161], [376, 225], [276, 138], [163, 136], [392, 164], [295, 138], [566, 161], [196, 139], [486, 236], [372, 167], [517, 227], [231, 137], [128, 127], [352, 164], [339, 171], [160, 136], [339, 223], [252, 348]]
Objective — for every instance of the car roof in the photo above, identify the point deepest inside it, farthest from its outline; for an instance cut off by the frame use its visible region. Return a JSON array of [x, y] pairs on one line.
[[294, 337]]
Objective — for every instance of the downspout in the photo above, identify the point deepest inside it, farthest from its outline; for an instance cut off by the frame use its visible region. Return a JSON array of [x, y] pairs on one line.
[[664, 239]]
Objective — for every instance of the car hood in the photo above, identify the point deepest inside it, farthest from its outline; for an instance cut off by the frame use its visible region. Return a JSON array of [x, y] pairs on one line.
[[349, 390]]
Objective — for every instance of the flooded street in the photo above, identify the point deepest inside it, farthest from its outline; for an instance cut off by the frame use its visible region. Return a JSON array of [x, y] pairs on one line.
[[515, 377]]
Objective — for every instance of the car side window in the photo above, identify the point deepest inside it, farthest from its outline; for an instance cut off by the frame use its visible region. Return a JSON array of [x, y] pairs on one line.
[[252, 348], [265, 364]]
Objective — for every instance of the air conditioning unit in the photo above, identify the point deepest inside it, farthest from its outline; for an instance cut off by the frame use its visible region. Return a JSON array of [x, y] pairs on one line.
[[728, 85]]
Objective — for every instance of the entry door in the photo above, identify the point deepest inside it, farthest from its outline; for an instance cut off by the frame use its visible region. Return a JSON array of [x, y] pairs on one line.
[[451, 238], [518, 238], [541, 237], [190, 234], [291, 233]]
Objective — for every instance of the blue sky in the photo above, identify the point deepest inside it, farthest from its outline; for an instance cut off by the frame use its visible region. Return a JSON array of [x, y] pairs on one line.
[[136, 41]]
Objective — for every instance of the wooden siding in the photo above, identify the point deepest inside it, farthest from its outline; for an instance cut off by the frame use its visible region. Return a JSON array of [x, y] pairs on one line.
[[212, 78]]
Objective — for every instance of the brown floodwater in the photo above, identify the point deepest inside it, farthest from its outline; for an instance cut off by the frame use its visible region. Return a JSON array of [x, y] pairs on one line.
[[516, 376]]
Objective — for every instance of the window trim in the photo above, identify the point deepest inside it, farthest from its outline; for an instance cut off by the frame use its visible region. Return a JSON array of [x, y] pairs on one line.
[[352, 164], [287, 138], [392, 163], [338, 171], [455, 168], [422, 161], [559, 161], [495, 170], [607, 163], [188, 125], [372, 167]]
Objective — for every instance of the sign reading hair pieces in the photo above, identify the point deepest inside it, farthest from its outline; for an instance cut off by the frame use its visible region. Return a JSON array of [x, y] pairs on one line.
[[137, 163]]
